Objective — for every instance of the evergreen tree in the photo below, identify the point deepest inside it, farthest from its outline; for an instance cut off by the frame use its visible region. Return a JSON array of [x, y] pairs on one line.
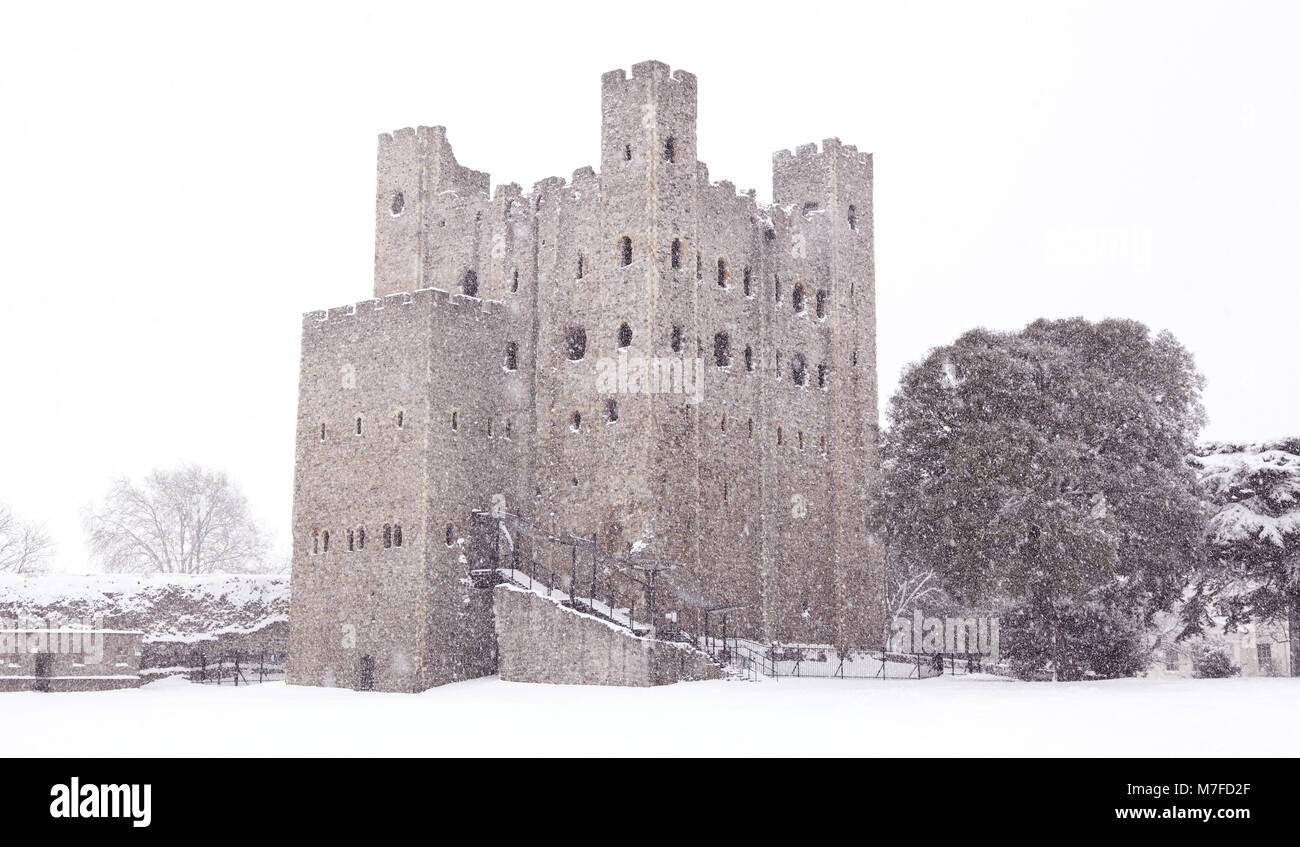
[[1045, 470]]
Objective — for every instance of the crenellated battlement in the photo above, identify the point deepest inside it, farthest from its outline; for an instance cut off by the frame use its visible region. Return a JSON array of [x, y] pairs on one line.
[[811, 151], [650, 70], [457, 304]]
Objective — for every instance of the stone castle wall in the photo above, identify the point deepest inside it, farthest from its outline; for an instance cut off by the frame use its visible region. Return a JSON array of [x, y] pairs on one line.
[[762, 490]]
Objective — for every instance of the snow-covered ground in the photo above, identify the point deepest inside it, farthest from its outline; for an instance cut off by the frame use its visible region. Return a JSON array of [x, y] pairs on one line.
[[976, 715]]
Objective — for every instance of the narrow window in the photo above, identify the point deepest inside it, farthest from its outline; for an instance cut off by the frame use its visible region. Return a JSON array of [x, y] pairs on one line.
[[677, 253], [401, 419], [455, 421], [799, 369], [575, 343], [796, 298], [801, 439], [624, 335], [512, 356], [322, 432], [722, 422], [676, 339], [699, 266], [855, 357], [721, 350], [469, 284], [451, 535], [750, 426], [358, 426], [489, 429], [821, 303], [325, 541], [749, 359], [315, 541], [780, 437], [580, 264], [625, 249], [725, 490], [722, 273], [821, 375], [575, 422], [388, 535], [853, 216], [748, 287], [514, 281], [611, 410], [352, 541], [399, 203], [776, 287], [507, 429], [361, 538], [627, 152], [670, 149], [397, 535]]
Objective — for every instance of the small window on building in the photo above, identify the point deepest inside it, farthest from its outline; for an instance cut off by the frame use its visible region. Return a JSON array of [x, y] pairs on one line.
[[397, 535], [748, 284], [358, 426], [575, 421], [315, 541], [670, 149], [611, 410], [699, 266], [624, 335], [749, 359], [776, 287], [398, 204], [388, 536], [780, 436], [749, 425], [722, 350], [512, 356], [352, 541], [722, 273], [799, 369], [822, 374], [514, 281], [627, 152], [469, 284], [801, 439], [821, 303], [450, 537], [675, 339], [625, 249], [581, 263], [322, 432], [575, 343], [325, 541], [722, 422], [401, 419], [797, 298], [361, 538], [811, 206], [853, 216], [676, 253], [455, 421]]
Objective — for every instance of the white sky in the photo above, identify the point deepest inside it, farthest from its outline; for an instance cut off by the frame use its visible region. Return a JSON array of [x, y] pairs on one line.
[[179, 183]]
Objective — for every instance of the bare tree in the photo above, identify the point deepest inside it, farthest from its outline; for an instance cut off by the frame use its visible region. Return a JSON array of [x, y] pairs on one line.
[[24, 547], [189, 520]]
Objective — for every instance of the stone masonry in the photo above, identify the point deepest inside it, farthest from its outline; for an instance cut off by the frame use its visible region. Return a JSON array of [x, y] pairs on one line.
[[640, 356]]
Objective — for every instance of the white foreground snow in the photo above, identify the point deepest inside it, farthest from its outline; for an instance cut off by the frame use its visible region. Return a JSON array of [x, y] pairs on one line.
[[976, 715]]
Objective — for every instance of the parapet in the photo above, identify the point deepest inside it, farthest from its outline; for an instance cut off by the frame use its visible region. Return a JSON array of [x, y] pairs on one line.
[[379, 307], [648, 70]]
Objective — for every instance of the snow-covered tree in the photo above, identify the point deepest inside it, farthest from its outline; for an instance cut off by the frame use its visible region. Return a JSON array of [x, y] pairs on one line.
[[189, 520], [1045, 470], [24, 546], [1252, 571]]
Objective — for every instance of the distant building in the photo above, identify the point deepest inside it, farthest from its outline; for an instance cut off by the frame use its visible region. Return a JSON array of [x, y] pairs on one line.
[[69, 659]]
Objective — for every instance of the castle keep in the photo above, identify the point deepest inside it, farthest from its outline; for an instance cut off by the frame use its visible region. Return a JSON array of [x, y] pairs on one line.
[[639, 358]]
